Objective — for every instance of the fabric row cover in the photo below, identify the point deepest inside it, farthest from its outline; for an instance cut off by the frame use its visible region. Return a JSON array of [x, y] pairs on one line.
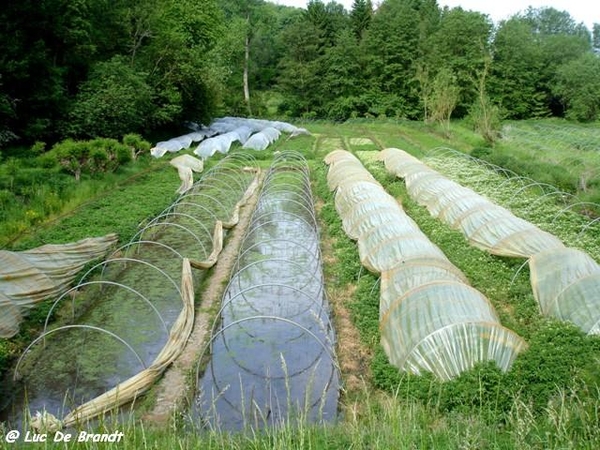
[[32, 276], [226, 124], [262, 139], [565, 281], [222, 142], [179, 143], [430, 318], [223, 132], [185, 165]]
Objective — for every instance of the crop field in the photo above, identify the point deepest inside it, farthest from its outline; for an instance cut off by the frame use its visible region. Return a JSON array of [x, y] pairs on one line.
[[533, 380]]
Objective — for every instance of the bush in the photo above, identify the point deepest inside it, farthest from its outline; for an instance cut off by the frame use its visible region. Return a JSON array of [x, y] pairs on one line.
[[136, 144], [95, 156]]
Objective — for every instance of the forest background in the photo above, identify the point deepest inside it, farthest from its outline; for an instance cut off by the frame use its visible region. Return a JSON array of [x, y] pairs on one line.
[[103, 68]]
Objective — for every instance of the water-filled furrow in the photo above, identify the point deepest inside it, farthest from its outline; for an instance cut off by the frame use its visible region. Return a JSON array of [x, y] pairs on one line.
[[272, 355]]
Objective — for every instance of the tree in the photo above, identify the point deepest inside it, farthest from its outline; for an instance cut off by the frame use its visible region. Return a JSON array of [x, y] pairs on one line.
[[484, 114], [328, 19], [360, 17], [578, 87], [300, 69], [515, 72], [245, 13], [391, 49], [342, 85], [528, 49], [113, 101], [460, 44], [445, 94]]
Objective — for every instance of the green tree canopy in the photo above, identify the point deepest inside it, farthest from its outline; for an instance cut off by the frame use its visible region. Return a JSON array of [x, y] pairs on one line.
[[578, 86]]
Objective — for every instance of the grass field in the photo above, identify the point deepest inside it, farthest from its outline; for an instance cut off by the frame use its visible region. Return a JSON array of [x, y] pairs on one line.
[[550, 398]]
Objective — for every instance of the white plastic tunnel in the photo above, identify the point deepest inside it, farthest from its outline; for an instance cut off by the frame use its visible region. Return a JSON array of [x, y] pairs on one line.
[[565, 281], [430, 318]]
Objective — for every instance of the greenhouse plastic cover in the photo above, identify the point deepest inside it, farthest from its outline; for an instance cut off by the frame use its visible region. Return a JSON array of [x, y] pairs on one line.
[[566, 285], [32, 276], [487, 226], [223, 132], [430, 319], [185, 165], [565, 281], [220, 143]]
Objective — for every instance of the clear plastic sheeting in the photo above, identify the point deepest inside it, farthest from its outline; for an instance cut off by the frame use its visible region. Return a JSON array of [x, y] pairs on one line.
[[566, 285], [31, 276], [185, 165], [430, 318], [262, 139], [565, 281], [486, 225]]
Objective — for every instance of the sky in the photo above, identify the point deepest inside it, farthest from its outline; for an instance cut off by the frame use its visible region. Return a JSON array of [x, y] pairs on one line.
[[586, 11]]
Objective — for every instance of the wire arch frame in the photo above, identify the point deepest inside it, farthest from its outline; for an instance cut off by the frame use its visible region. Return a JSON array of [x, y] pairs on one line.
[[304, 194], [328, 350], [135, 260], [185, 215], [258, 229], [160, 244], [572, 205], [538, 200], [192, 196], [307, 209], [535, 184], [221, 175], [64, 327], [312, 277], [315, 254], [109, 283], [314, 301], [319, 399], [588, 225], [255, 220], [172, 224]]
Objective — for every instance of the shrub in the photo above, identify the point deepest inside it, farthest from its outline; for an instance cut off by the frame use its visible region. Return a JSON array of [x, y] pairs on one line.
[[98, 155], [72, 156], [136, 144]]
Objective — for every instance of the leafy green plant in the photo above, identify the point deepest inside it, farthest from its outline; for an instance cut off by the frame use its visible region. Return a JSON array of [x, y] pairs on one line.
[[137, 144]]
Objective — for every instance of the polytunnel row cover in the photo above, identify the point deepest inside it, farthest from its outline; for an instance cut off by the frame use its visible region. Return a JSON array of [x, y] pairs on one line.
[[142, 304], [221, 133], [565, 281], [486, 225], [430, 318], [271, 348]]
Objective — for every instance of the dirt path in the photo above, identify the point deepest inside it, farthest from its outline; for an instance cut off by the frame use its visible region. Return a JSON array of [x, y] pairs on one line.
[[354, 358], [174, 388]]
